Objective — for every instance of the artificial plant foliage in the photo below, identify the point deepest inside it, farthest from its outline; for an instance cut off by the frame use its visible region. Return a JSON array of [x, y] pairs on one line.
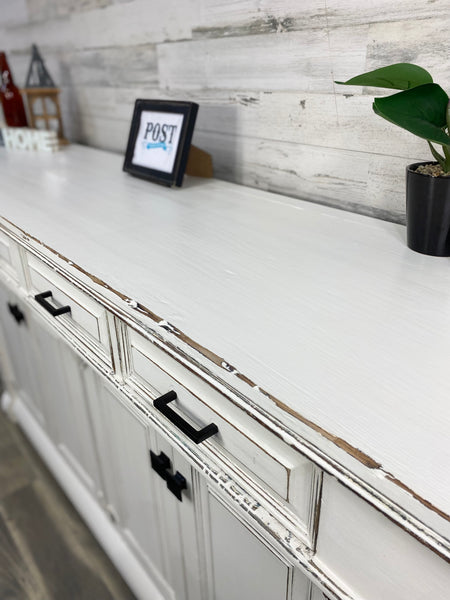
[[401, 76], [420, 110], [422, 107]]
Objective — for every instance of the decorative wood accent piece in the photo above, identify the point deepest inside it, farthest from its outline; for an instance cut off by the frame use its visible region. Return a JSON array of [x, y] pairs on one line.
[[48, 117], [199, 163]]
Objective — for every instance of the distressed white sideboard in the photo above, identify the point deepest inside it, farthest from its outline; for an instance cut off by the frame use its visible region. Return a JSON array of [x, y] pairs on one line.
[[313, 339]]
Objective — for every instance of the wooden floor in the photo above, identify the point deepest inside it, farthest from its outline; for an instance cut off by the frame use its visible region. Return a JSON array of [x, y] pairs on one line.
[[46, 551]]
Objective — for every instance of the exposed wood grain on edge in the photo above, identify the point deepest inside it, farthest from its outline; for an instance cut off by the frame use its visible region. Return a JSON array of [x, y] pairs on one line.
[[212, 356], [355, 452], [348, 448], [246, 380], [412, 493], [93, 278]]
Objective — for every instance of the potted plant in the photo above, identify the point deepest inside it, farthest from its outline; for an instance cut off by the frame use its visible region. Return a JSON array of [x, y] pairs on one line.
[[422, 107]]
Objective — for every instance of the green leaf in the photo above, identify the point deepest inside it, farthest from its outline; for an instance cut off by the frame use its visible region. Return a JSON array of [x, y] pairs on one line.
[[421, 110], [401, 76]]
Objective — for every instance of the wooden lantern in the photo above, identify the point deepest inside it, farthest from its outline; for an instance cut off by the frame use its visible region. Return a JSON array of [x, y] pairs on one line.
[[44, 111], [42, 97]]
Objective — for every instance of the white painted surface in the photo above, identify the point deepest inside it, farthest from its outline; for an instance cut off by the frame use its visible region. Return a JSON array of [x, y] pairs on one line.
[[118, 551], [66, 404], [370, 555], [181, 523], [262, 454], [121, 439], [328, 311], [86, 319], [24, 355], [261, 575], [7, 252]]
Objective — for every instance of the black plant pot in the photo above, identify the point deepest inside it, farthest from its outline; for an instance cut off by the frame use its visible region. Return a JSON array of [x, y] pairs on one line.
[[427, 212]]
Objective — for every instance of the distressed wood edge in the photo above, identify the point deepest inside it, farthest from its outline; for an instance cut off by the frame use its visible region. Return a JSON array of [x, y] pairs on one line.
[[141, 386], [247, 504], [408, 522]]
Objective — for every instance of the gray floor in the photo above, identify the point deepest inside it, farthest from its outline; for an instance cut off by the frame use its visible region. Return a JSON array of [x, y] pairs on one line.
[[46, 551]]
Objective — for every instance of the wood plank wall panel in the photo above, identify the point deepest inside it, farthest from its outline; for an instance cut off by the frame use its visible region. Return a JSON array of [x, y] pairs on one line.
[[263, 73]]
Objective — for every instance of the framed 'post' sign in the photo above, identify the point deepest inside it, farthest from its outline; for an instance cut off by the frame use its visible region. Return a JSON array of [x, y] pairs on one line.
[[160, 140]]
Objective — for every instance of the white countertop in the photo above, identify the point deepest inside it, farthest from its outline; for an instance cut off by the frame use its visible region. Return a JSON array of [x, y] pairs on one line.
[[327, 311]]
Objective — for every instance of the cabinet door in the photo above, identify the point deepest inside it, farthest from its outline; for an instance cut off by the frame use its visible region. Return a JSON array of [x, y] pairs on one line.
[[159, 524], [23, 353], [317, 594], [244, 565], [62, 374], [180, 522], [121, 435]]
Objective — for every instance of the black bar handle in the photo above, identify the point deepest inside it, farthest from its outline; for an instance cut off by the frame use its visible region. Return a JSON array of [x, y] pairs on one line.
[[195, 435], [53, 310], [16, 313]]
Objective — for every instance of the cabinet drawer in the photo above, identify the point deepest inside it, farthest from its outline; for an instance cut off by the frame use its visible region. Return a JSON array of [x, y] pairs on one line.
[[255, 450], [9, 257], [86, 319], [372, 556]]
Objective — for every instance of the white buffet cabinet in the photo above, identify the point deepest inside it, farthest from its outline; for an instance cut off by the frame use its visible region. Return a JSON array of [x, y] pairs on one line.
[[298, 448]]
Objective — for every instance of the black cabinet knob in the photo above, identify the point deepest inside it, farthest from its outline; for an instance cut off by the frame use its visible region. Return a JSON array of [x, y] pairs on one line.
[[16, 313], [176, 483], [160, 464]]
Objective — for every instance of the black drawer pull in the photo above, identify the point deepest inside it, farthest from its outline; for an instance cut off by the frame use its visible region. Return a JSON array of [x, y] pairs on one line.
[[16, 313], [53, 310], [195, 435]]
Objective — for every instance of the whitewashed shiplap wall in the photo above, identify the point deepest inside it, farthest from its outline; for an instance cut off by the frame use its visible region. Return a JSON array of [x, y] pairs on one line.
[[262, 72]]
